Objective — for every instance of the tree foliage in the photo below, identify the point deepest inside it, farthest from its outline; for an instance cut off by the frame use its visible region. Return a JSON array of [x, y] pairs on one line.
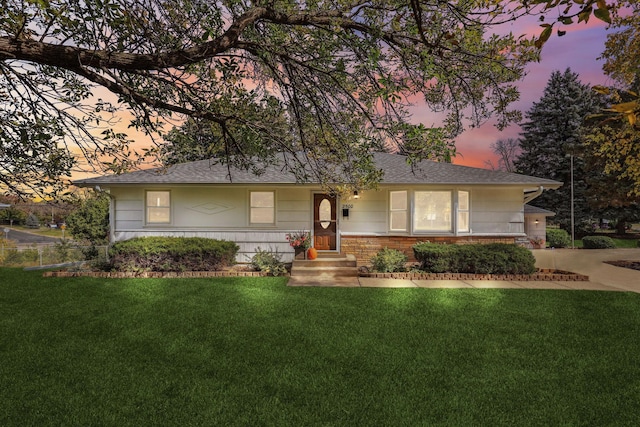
[[325, 82], [90, 221], [551, 136]]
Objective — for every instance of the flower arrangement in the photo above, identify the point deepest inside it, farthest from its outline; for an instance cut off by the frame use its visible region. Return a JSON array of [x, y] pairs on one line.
[[299, 239], [537, 241]]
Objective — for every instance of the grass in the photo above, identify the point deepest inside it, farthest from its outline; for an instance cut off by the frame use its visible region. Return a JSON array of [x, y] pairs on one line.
[[249, 351]]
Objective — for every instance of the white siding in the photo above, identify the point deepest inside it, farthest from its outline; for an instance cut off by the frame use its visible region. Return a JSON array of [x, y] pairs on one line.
[[497, 211], [219, 213]]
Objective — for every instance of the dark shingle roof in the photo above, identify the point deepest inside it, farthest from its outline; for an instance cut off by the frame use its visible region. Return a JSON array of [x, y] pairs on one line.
[[395, 167], [529, 209]]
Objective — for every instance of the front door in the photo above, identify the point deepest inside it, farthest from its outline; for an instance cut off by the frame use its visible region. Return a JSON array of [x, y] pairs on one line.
[[324, 222]]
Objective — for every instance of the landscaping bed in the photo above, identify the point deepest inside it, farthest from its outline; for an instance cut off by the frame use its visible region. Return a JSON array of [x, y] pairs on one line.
[[539, 275], [634, 265]]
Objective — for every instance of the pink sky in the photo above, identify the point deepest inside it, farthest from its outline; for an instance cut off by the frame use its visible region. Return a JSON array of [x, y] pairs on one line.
[[578, 50]]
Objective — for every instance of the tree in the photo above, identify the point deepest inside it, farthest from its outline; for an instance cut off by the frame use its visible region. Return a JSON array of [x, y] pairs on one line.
[[90, 221], [341, 73], [551, 136], [507, 151]]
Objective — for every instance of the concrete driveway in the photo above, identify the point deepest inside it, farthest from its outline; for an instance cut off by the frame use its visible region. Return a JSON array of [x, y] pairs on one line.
[[591, 263], [23, 238]]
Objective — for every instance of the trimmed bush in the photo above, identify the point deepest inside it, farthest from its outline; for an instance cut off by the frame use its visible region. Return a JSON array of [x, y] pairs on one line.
[[557, 238], [389, 261], [494, 258], [598, 242], [268, 261], [172, 254]]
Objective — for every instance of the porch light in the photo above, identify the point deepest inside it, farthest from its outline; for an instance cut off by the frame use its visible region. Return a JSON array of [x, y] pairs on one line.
[[355, 194], [537, 221]]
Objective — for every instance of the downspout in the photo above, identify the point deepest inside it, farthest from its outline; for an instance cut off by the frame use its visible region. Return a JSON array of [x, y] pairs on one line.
[[530, 196]]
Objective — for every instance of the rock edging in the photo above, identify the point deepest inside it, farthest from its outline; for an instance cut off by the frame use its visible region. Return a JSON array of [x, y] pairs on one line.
[[154, 274], [543, 275]]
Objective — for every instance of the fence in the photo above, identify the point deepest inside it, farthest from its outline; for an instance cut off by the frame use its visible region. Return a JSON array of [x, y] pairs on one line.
[[44, 255]]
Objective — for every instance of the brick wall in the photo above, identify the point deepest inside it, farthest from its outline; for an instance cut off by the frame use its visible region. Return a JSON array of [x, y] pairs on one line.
[[364, 247]]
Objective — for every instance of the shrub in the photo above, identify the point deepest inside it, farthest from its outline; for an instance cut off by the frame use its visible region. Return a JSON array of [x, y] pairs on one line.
[[495, 258], [598, 242], [389, 261], [433, 257], [268, 261], [557, 238], [172, 254]]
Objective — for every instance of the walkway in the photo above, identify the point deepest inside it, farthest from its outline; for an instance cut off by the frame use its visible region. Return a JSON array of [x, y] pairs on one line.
[[603, 277]]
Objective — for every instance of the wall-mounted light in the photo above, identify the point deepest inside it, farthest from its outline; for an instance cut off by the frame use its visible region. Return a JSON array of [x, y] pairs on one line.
[[537, 221], [355, 194]]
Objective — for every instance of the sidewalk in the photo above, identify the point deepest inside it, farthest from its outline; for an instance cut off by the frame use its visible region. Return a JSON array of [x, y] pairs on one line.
[[602, 277]]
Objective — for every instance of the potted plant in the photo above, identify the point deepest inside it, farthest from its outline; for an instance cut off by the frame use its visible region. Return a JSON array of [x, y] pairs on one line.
[[300, 241], [537, 242]]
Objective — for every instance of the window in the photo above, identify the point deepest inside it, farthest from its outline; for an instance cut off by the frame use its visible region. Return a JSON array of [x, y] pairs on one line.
[[158, 207], [262, 207], [463, 212], [398, 210], [432, 211]]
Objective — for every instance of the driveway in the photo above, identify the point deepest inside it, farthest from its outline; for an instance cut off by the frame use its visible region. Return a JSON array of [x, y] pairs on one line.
[[591, 263], [22, 238]]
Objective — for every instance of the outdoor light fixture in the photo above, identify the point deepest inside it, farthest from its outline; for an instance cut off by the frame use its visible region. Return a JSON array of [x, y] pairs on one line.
[[537, 221], [355, 194]]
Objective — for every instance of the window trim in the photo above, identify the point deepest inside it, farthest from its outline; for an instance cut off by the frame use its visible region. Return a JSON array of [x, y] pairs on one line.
[[169, 208], [273, 208]]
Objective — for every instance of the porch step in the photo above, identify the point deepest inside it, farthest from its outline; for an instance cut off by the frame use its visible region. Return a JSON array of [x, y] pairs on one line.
[[326, 266]]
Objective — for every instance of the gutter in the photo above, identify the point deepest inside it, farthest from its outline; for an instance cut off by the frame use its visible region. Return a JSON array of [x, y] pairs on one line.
[[533, 194]]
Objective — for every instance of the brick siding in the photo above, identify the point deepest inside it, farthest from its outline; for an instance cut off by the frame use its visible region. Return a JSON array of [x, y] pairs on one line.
[[365, 247]]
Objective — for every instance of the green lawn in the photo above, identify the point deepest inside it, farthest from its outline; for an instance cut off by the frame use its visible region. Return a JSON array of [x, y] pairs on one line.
[[254, 352]]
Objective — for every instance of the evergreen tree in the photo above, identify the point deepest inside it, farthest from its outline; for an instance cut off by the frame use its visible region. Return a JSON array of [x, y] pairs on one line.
[[551, 136], [91, 220]]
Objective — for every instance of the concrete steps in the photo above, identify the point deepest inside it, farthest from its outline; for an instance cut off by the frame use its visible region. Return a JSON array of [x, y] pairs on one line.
[[326, 266]]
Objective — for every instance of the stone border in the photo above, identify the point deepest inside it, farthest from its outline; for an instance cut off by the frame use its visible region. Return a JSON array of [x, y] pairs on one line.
[[154, 274], [542, 275]]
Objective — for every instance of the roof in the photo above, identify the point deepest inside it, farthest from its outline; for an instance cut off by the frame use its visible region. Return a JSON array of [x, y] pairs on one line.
[[529, 209], [396, 171]]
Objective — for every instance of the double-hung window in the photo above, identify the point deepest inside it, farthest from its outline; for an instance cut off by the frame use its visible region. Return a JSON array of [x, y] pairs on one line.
[[463, 212], [398, 204], [158, 207], [262, 207]]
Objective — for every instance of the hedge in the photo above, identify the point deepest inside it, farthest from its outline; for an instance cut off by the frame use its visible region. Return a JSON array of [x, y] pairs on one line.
[[557, 238], [598, 242], [494, 258], [172, 254]]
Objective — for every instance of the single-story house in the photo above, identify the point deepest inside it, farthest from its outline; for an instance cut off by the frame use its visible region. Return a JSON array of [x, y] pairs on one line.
[[431, 201]]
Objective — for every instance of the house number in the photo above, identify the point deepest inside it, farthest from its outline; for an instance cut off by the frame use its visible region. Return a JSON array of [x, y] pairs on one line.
[[347, 206]]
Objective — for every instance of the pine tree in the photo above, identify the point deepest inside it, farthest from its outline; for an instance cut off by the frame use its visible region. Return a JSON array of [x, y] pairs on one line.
[[551, 136]]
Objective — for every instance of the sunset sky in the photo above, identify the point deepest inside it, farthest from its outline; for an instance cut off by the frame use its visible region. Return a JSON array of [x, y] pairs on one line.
[[578, 50]]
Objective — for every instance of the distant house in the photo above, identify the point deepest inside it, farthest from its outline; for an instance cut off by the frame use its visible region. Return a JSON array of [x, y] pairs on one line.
[[3, 206], [438, 202]]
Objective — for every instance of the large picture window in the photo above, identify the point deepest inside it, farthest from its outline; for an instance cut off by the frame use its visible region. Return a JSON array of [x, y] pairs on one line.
[[262, 207], [432, 211], [158, 207], [398, 210]]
